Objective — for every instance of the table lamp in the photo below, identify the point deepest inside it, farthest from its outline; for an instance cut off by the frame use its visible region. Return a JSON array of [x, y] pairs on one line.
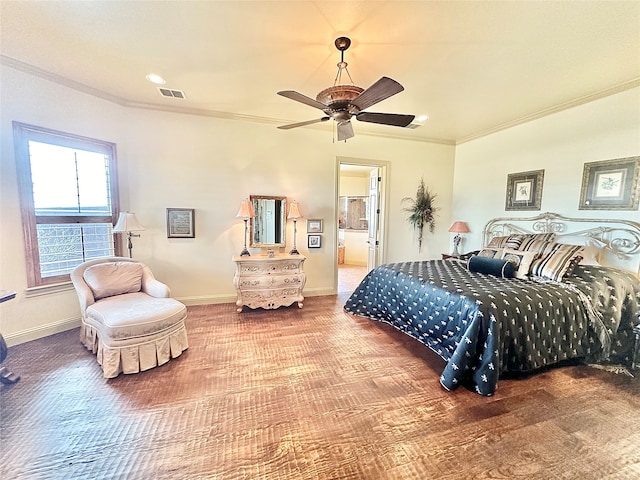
[[458, 228], [294, 214], [246, 212]]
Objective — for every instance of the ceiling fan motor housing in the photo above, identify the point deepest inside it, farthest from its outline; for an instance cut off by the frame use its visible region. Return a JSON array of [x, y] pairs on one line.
[[338, 101]]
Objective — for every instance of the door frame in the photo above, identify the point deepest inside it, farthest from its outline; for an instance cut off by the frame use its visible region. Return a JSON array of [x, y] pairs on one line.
[[384, 169]]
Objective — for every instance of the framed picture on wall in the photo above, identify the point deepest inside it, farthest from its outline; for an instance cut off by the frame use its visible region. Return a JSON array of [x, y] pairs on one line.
[[180, 223], [524, 190], [314, 241], [314, 225], [611, 185]]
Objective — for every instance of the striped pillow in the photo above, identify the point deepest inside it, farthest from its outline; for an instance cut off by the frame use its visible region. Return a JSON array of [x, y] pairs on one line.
[[557, 261], [510, 241], [536, 242]]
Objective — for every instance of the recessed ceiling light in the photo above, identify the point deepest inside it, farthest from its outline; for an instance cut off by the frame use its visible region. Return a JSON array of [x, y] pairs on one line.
[[157, 79]]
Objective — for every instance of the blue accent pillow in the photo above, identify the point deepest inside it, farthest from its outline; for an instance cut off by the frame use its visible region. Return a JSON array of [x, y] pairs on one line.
[[492, 266]]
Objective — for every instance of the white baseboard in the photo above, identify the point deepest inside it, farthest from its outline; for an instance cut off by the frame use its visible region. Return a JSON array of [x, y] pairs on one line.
[[355, 263], [207, 299], [319, 292], [42, 331]]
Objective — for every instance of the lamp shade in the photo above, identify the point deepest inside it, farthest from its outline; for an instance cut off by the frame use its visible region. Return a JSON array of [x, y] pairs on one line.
[[294, 211], [127, 222], [246, 210], [459, 227]]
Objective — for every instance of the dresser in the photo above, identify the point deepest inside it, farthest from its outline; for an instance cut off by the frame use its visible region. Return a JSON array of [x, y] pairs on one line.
[[269, 282]]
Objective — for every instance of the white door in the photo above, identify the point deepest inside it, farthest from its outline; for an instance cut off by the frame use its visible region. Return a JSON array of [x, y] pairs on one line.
[[374, 218]]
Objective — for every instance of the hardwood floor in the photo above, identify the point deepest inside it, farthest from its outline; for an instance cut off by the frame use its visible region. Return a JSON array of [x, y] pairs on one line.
[[349, 277], [306, 394]]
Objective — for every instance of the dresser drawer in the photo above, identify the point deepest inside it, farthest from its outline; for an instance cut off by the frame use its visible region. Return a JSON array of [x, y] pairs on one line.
[[270, 281], [269, 267]]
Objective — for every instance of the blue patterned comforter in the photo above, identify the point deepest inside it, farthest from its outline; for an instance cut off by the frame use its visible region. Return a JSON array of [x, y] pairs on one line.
[[484, 326]]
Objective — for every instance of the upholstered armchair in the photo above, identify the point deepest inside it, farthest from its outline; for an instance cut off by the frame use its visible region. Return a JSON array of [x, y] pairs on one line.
[[129, 319]]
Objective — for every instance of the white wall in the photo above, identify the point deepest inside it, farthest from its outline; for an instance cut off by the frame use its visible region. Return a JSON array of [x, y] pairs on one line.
[[560, 144], [209, 164], [356, 248], [354, 184]]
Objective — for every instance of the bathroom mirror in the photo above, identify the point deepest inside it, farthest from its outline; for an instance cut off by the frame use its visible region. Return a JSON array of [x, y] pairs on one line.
[[270, 223]]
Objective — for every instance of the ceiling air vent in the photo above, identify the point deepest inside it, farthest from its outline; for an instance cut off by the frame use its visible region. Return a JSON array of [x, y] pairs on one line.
[[167, 92]]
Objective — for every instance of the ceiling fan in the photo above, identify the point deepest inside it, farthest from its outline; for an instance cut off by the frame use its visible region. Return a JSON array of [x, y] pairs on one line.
[[343, 102]]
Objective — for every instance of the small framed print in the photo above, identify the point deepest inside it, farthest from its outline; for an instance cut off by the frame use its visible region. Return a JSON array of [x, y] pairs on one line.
[[524, 190], [180, 223], [314, 225], [314, 241], [611, 185]]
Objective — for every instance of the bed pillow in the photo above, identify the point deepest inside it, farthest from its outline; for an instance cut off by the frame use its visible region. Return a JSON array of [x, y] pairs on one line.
[[490, 252], [557, 262], [113, 278], [491, 266], [521, 261], [536, 242], [509, 241], [592, 247]]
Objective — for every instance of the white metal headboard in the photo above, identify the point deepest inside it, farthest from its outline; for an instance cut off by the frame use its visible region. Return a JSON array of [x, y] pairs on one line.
[[620, 237]]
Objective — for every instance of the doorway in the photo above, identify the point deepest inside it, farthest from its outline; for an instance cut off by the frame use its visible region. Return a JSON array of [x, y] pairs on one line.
[[361, 198]]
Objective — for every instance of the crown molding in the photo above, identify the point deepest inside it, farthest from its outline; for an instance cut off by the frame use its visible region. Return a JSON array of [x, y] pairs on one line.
[[398, 135], [52, 77], [621, 87]]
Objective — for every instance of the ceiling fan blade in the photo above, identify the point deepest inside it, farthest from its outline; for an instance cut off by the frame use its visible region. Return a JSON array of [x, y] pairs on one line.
[[302, 124], [395, 119], [382, 89], [345, 130], [298, 97]]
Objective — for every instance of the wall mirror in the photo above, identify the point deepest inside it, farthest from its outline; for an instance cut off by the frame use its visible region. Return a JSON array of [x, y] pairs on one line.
[[270, 223], [354, 213]]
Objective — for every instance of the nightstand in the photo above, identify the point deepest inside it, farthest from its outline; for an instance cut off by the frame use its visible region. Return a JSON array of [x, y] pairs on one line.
[[446, 256]]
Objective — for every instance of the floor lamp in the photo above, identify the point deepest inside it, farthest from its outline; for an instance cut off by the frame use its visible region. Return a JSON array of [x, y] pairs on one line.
[[294, 214], [246, 212], [127, 223]]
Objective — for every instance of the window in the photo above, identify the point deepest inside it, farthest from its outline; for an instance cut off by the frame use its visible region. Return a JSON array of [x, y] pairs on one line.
[[68, 197]]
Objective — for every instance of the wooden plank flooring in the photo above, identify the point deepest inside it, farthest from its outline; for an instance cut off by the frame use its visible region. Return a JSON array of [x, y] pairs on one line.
[[306, 394]]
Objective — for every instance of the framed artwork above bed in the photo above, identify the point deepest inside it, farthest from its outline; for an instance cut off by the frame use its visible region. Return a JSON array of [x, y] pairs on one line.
[[611, 185], [524, 190]]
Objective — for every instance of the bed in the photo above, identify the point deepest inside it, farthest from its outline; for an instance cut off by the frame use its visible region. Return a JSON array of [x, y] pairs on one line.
[[573, 293]]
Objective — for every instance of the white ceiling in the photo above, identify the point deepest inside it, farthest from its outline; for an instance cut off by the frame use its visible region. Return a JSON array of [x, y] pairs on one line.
[[473, 67]]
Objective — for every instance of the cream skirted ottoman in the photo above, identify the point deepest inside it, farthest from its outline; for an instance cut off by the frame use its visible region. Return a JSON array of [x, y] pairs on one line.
[[128, 318]]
